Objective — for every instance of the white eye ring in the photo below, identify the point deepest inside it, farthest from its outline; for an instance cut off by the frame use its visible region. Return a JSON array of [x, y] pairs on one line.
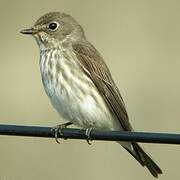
[[53, 26]]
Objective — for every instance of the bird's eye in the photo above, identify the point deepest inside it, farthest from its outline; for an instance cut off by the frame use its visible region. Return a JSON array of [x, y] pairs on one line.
[[53, 26]]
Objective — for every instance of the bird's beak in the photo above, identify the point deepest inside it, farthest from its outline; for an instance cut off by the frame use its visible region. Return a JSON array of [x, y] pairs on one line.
[[29, 31]]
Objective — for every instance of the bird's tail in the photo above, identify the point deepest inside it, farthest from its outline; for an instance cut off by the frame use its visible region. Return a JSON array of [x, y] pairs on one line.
[[145, 160]]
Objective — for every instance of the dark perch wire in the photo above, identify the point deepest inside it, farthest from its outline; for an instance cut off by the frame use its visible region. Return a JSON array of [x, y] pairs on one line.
[[71, 133]]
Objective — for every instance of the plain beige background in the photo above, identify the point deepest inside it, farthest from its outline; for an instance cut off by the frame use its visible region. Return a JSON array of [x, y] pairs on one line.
[[140, 42]]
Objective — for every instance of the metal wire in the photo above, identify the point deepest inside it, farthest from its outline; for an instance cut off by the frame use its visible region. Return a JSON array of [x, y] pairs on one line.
[[71, 133]]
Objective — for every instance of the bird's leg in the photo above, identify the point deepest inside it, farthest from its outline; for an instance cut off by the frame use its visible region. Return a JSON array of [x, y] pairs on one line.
[[58, 129], [88, 135]]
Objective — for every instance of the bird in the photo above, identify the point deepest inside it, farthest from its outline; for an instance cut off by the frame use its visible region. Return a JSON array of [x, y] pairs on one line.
[[78, 82]]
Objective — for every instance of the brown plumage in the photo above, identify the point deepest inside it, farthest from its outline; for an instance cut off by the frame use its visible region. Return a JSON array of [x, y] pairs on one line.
[[94, 66]]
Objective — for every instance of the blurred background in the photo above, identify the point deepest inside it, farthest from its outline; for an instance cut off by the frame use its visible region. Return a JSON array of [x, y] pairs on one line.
[[140, 42]]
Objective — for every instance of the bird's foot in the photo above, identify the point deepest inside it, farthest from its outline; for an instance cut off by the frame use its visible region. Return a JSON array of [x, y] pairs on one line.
[[58, 129], [88, 135]]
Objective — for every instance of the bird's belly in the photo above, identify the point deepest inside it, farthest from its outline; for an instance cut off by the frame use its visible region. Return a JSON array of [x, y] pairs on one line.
[[83, 107]]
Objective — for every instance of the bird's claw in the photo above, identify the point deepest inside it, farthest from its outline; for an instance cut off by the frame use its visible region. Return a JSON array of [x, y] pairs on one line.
[[88, 135], [58, 130]]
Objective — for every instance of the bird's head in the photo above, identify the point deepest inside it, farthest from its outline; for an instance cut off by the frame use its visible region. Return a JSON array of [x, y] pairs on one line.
[[54, 28]]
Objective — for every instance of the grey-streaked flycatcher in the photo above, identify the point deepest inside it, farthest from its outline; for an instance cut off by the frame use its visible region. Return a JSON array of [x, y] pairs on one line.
[[78, 82]]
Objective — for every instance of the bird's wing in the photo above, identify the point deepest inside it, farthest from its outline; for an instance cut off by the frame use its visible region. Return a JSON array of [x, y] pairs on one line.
[[94, 66]]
